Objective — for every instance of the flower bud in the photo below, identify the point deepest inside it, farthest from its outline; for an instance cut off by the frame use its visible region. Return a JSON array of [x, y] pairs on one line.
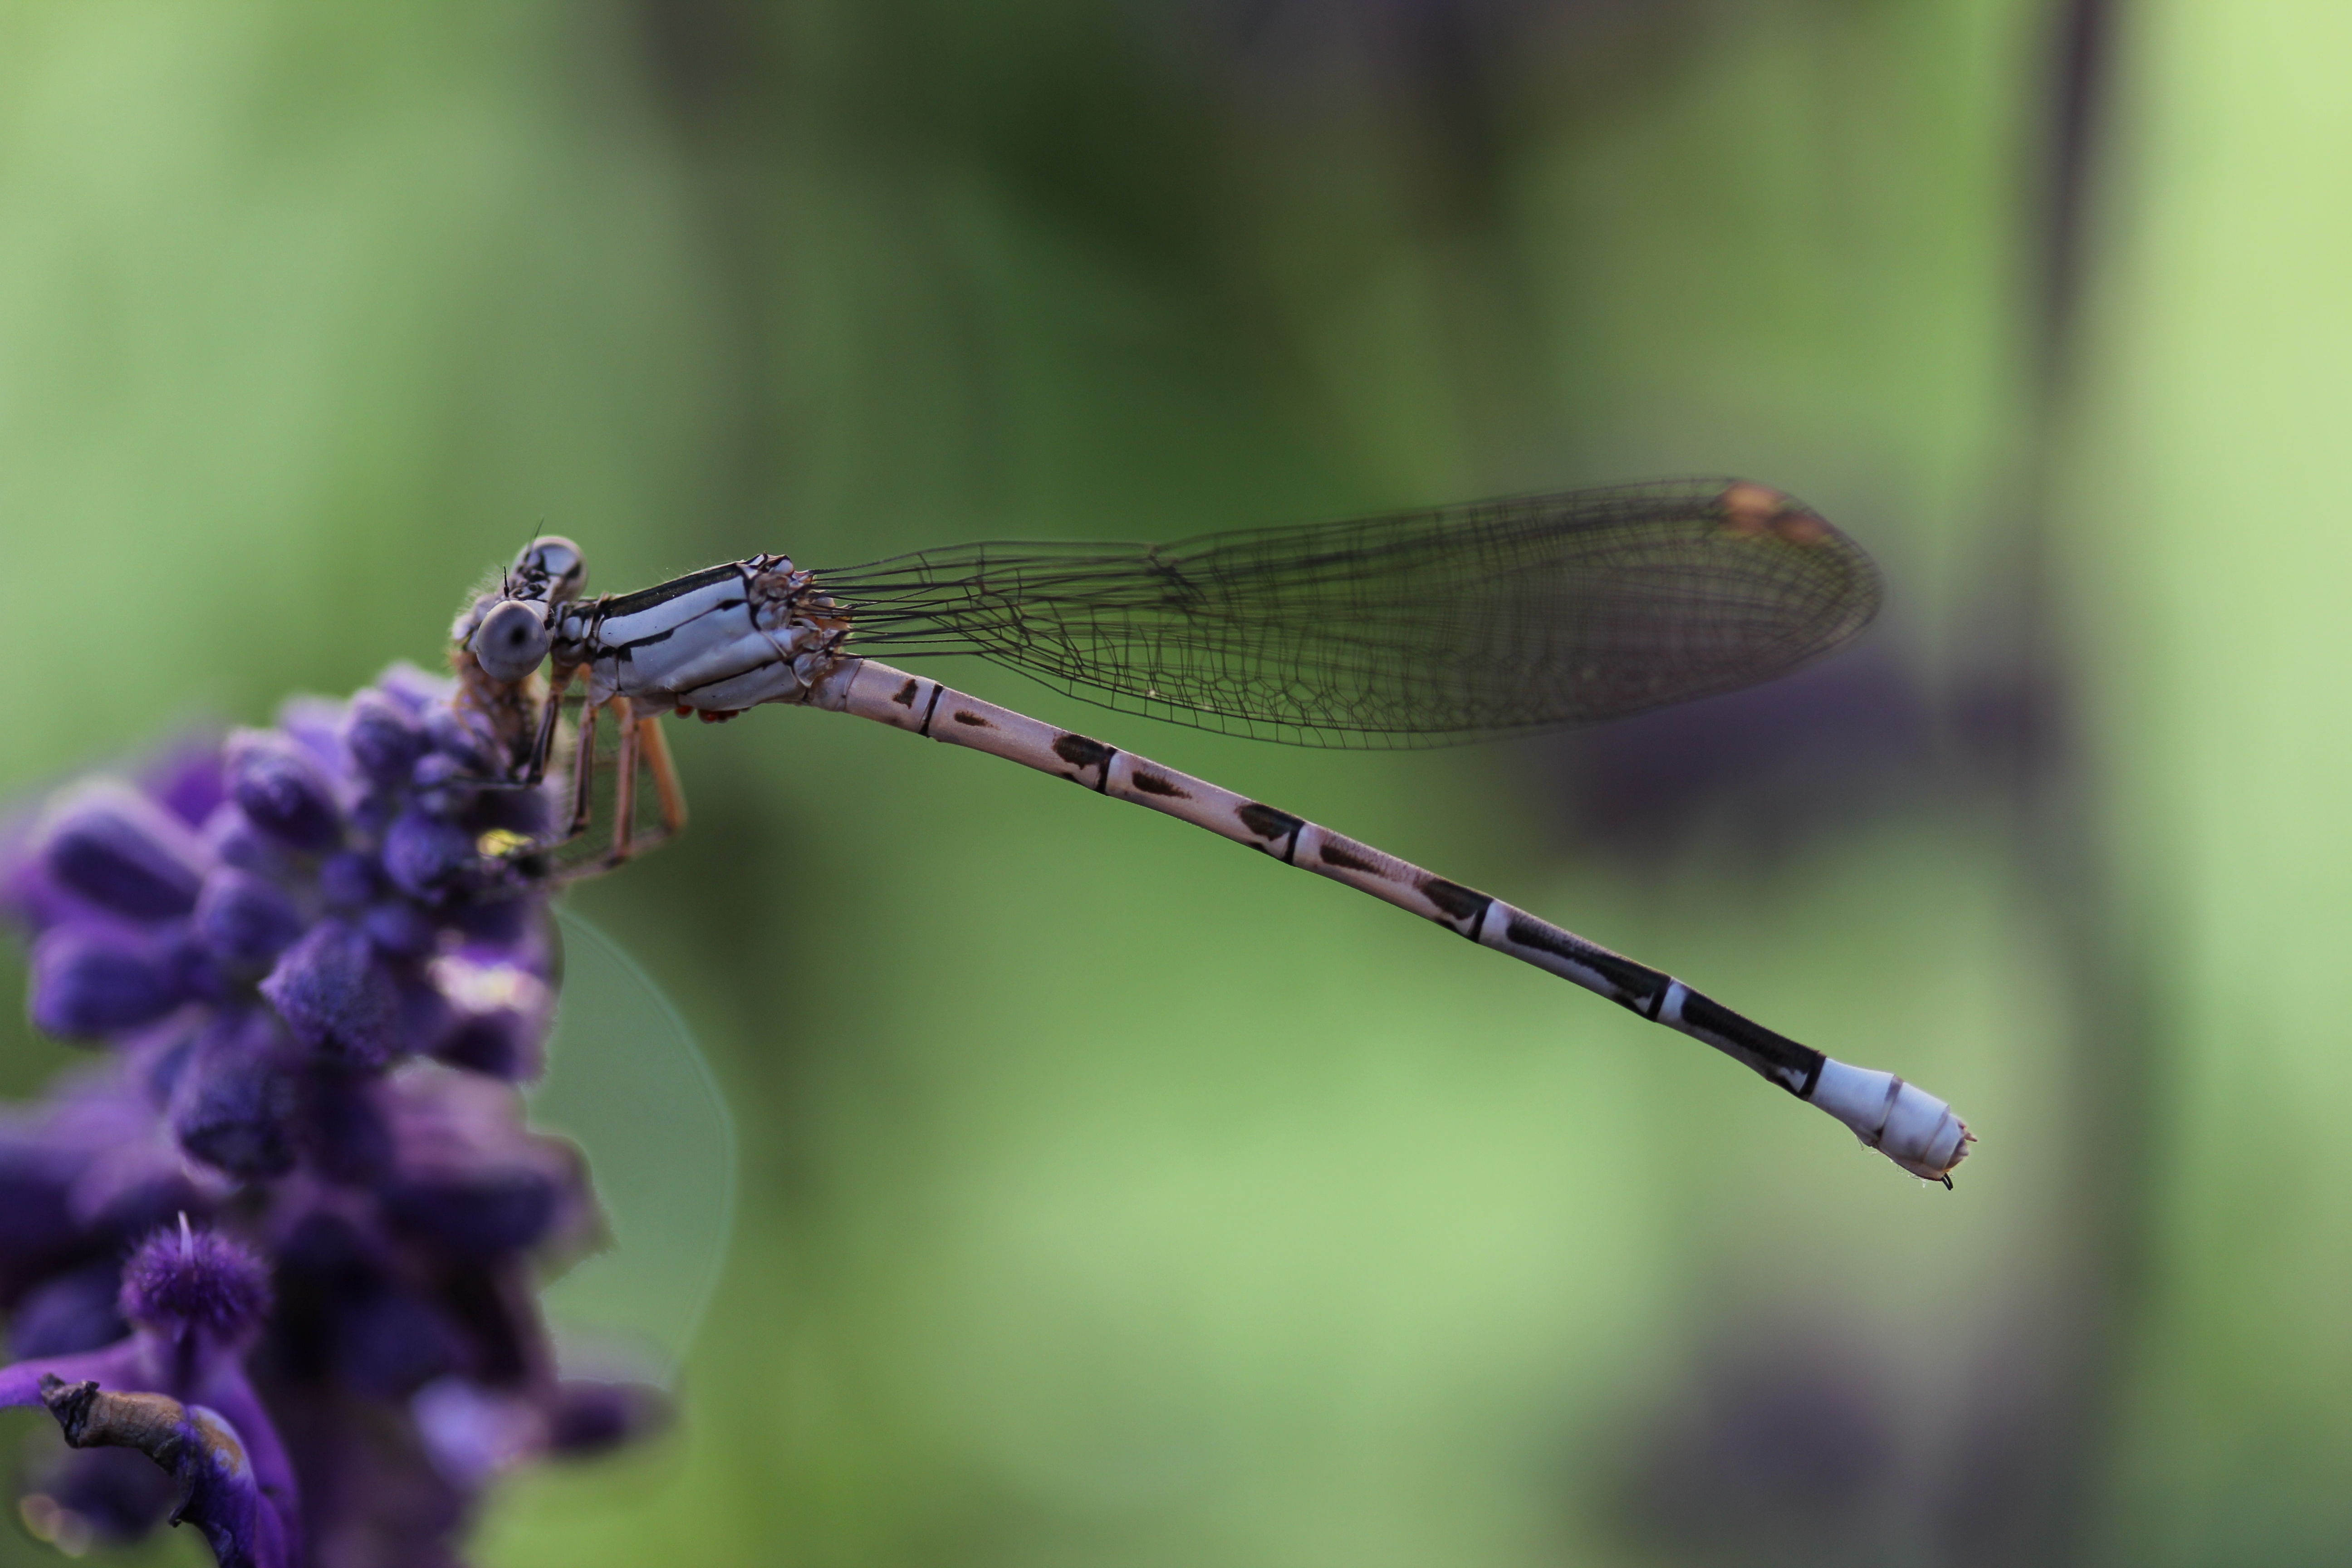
[[119, 850], [283, 791], [89, 981], [383, 736], [244, 920], [334, 995]]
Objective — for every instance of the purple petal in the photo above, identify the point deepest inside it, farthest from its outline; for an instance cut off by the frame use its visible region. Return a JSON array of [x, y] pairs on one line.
[[106, 1142], [113, 846], [135, 1185], [27, 896], [335, 996], [469, 1177]]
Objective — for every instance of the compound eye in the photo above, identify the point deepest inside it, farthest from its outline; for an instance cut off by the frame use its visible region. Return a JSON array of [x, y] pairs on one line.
[[553, 566], [511, 639]]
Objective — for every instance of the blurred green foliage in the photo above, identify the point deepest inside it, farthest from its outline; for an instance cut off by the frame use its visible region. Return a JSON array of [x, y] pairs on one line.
[[1111, 1196]]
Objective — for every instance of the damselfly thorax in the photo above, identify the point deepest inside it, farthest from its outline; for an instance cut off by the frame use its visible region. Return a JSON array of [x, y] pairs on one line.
[[1415, 629]]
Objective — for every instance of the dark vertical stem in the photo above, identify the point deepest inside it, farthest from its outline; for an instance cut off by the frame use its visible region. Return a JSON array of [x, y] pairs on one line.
[[2024, 1485]]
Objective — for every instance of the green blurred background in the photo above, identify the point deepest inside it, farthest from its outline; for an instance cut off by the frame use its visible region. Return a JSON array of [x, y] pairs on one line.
[[1109, 1194]]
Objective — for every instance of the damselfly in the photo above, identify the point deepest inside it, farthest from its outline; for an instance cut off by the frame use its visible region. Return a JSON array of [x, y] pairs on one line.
[[1409, 630]]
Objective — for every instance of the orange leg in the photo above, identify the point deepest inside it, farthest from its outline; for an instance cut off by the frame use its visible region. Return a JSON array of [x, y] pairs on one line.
[[655, 749]]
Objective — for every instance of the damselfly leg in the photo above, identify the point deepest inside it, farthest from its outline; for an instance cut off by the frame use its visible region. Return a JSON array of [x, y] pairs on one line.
[[638, 758]]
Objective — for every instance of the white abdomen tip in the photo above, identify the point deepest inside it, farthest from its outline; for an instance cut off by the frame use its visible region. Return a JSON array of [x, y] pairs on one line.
[[1901, 1121]]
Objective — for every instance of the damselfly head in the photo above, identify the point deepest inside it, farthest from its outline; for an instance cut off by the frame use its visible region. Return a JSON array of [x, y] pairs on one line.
[[511, 639], [550, 568]]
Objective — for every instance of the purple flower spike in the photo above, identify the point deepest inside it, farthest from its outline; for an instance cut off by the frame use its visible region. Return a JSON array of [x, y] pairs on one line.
[[185, 1279], [283, 792], [316, 1012], [244, 920], [93, 981], [112, 846], [335, 996]]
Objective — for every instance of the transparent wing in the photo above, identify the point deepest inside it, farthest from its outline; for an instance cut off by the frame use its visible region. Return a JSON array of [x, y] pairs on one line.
[[1415, 629], [627, 1083]]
